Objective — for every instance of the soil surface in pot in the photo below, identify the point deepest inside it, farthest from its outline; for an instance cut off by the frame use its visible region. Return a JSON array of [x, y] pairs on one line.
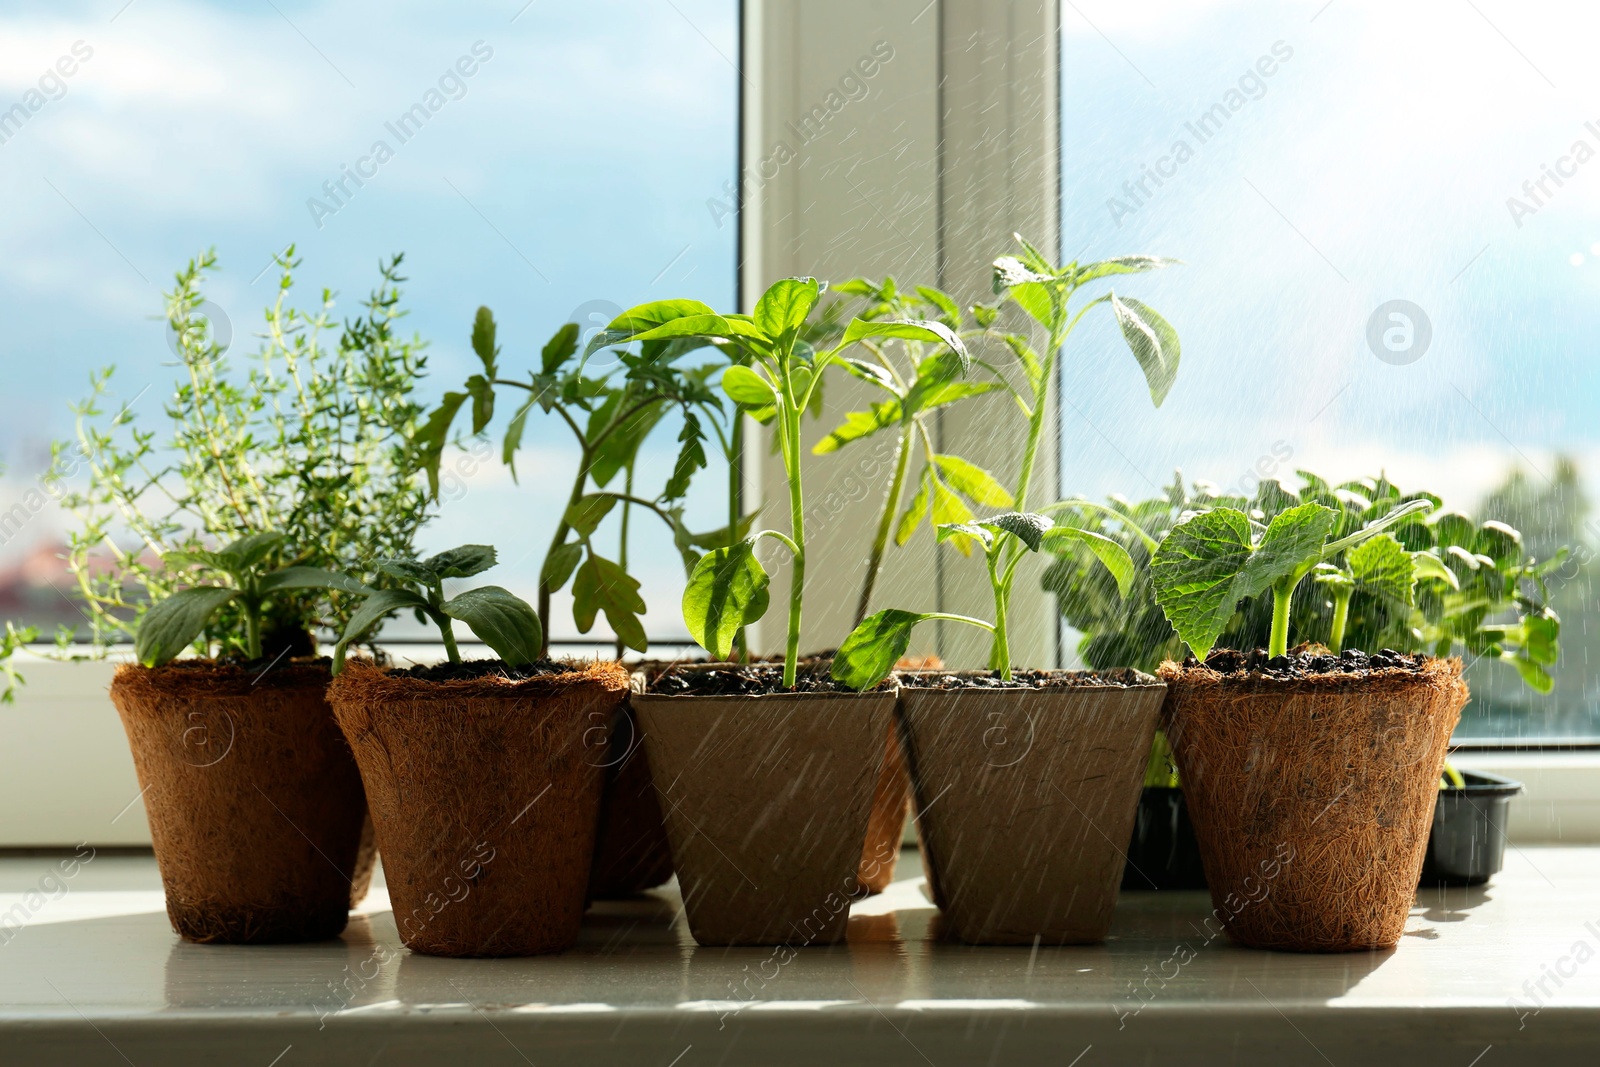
[[1122, 678], [480, 668], [1308, 661], [748, 679]]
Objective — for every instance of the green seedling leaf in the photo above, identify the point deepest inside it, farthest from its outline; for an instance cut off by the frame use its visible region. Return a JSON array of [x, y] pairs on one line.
[[949, 310], [1025, 526], [1032, 367], [1429, 565], [925, 330], [435, 434], [461, 562], [482, 393], [726, 592], [1010, 272], [313, 578], [917, 510], [173, 624], [1381, 565], [504, 622], [407, 570], [601, 585], [249, 551], [959, 532], [560, 348], [785, 305], [373, 611], [1122, 265], [559, 565], [586, 515], [1112, 555], [483, 341], [870, 372], [930, 393], [1153, 341], [748, 389], [859, 424], [973, 482], [869, 654], [950, 510]]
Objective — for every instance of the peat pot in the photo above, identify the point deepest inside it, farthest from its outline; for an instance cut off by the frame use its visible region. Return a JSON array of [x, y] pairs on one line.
[[255, 805], [485, 794], [1026, 795], [631, 853], [1312, 797], [766, 799]]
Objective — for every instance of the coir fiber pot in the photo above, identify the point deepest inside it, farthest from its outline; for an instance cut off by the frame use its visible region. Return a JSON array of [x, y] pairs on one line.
[[1312, 797], [631, 853], [1025, 797], [1163, 853], [1468, 843], [485, 794], [255, 804], [766, 799]]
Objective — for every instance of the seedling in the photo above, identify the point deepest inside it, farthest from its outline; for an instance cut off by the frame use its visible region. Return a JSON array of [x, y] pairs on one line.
[[1045, 293], [610, 415], [775, 380], [502, 620], [176, 623]]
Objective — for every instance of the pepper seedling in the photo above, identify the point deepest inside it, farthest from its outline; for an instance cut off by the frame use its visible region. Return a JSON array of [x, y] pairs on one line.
[[503, 621], [175, 623], [1211, 561], [775, 380]]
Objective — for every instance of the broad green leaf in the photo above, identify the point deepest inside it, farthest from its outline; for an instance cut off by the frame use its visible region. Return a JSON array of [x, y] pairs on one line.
[[313, 578], [560, 348], [586, 515], [247, 552], [483, 341], [1035, 299], [1121, 265], [859, 424], [869, 654], [1194, 570], [1293, 542], [407, 570], [559, 564], [504, 622], [1500, 542], [726, 592], [870, 372], [173, 624], [482, 393], [1383, 566], [973, 482], [1153, 341], [949, 310], [950, 510], [462, 562], [602, 585], [1534, 676], [925, 330], [748, 388], [928, 394], [785, 305], [641, 320], [719, 538], [1024, 526], [1429, 565], [960, 531], [917, 510], [1112, 555], [373, 611]]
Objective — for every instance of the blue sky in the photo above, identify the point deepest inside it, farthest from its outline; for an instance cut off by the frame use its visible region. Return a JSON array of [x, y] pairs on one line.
[[569, 173]]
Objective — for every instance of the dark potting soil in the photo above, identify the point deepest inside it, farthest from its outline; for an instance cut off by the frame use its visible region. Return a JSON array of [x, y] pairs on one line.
[[480, 668], [1308, 660], [1121, 678], [750, 679]]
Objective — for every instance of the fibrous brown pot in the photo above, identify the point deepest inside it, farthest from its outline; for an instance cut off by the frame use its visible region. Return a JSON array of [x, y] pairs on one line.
[[886, 823], [1312, 798], [485, 794], [766, 801], [1025, 798], [255, 804], [631, 853]]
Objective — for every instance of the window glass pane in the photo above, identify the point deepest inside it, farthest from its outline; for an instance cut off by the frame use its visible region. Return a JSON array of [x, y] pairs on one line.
[[555, 163], [1391, 228]]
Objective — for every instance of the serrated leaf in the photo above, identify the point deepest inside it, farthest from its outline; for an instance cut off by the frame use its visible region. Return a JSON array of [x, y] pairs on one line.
[[925, 330], [1381, 565], [726, 592], [869, 654], [950, 510], [1032, 367], [1153, 341], [462, 562], [785, 305], [482, 393], [514, 432], [602, 585], [859, 424], [1111, 555], [560, 348], [949, 310], [246, 553], [928, 394], [973, 482], [916, 511], [173, 624], [504, 622], [586, 514], [1121, 265], [434, 435]]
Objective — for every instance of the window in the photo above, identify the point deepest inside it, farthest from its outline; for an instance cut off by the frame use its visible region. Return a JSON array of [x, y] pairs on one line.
[[1390, 218], [556, 163]]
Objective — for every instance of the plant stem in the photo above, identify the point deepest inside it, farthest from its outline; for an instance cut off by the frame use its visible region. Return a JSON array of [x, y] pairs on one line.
[[450, 650], [1341, 614], [797, 531], [1282, 593], [252, 630], [741, 648], [891, 505], [1000, 650], [622, 548], [562, 529]]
